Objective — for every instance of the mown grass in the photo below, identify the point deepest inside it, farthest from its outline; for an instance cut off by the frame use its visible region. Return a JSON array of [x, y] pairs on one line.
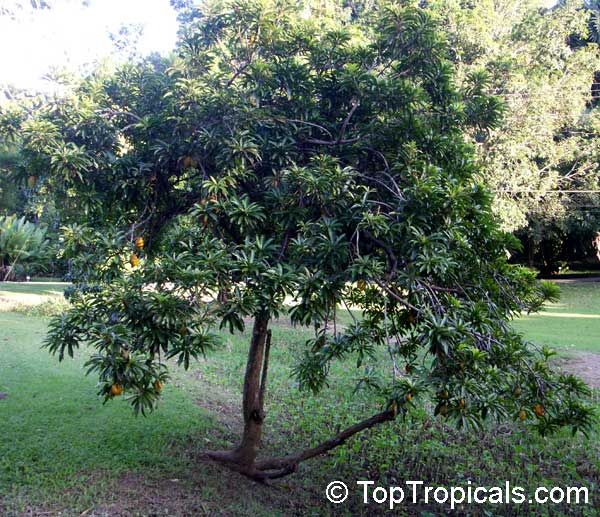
[[22, 296], [61, 450], [571, 323]]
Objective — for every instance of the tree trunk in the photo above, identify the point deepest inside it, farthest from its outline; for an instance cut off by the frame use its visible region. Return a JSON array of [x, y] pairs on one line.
[[244, 456], [530, 251], [253, 404]]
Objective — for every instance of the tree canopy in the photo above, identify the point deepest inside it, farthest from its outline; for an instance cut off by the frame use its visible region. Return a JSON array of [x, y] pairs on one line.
[[541, 161], [288, 163]]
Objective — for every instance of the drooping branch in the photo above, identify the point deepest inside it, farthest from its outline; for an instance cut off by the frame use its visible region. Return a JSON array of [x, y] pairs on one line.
[[395, 295], [292, 460]]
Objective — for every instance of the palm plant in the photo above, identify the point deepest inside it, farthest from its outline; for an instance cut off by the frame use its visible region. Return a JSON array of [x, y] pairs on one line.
[[22, 245]]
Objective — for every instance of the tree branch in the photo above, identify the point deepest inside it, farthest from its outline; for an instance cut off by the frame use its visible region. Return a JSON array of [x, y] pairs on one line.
[[395, 296], [316, 141], [355, 104], [292, 460], [237, 73]]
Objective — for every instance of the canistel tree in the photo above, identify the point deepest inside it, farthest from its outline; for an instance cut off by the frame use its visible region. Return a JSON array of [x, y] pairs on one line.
[[302, 162]]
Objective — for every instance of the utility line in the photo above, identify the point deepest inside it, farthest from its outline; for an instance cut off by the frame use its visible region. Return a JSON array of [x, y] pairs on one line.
[[534, 191]]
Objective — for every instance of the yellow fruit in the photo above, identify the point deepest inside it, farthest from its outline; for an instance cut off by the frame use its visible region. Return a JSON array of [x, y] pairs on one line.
[[158, 386], [522, 415], [139, 242], [32, 181], [462, 403], [134, 260], [409, 397], [361, 284], [205, 221], [116, 390], [539, 410]]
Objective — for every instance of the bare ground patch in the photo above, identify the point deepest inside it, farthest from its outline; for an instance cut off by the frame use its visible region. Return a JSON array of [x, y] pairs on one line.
[[135, 494], [584, 364], [205, 489]]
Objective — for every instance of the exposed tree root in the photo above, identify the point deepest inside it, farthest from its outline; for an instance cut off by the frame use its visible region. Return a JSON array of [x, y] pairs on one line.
[[231, 460]]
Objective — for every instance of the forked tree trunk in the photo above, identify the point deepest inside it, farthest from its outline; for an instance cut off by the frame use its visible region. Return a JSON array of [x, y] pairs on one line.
[[243, 458]]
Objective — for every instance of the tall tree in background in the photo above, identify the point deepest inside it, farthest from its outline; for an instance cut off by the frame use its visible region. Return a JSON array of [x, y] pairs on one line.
[[548, 139], [320, 160]]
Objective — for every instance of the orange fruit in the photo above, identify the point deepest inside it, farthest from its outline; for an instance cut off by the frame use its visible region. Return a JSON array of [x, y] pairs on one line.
[[188, 162], [134, 260], [158, 386], [539, 410], [462, 403], [139, 242], [409, 397], [205, 221], [522, 415], [116, 390], [32, 181], [361, 284]]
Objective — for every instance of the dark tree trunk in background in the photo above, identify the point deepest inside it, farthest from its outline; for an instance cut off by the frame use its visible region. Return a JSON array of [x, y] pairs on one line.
[[530, 251]]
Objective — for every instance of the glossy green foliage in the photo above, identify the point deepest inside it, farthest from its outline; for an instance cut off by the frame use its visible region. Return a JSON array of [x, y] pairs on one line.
[[22, 245], [290, 162], [542, 161]]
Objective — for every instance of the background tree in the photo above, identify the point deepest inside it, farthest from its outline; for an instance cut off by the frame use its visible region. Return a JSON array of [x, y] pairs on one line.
[[280, 157], [26, 200], [546, 146]]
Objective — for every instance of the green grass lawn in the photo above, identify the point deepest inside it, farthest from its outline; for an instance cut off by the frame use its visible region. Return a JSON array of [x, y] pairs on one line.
[[62, 451], [571, 323], [21, 295], [32, 288]]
